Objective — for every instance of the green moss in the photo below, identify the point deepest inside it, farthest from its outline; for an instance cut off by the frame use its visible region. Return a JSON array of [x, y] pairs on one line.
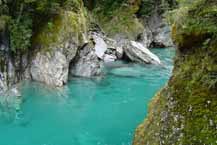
[[120, 20], [188, 113], [195, 100], [67, 25], [3, 21]]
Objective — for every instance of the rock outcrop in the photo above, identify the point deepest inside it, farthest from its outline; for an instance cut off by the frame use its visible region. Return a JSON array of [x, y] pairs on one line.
[[146, 38], [87, 63], [58, 46], [106, 48], [138, 53], [157, 32], [50, 68], [163, 36]]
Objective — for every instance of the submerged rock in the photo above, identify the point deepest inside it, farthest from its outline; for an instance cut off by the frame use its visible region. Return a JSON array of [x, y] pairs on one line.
[[11, 98], [14, 92], [87, 63], [50, 68], [138, 53]]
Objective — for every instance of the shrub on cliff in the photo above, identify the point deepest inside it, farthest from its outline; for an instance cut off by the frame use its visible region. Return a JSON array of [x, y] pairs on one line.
[[26, 15]]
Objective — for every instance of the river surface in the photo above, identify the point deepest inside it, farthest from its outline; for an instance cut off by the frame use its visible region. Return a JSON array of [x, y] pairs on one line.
[[98, 111]]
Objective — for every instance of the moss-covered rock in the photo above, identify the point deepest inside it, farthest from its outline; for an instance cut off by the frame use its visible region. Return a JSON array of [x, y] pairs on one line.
[[67, 25], [56, 44], [184, 112]]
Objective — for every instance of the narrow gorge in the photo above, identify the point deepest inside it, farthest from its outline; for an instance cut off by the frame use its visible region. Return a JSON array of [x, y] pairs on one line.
[[87, 72]]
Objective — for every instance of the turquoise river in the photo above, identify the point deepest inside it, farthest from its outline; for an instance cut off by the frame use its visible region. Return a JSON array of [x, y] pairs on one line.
[[97, 111]]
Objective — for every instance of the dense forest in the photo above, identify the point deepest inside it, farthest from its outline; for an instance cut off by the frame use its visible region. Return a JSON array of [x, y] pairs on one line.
[[23, 16]]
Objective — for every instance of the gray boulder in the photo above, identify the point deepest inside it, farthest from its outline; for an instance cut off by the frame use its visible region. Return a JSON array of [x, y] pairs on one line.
[[163, 37], [87, 63], [138, 53], [50, 68], [157, 32], [146, 38], [107, 48]]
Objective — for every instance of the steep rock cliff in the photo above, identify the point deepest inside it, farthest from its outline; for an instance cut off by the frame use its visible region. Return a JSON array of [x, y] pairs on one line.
[[56, 44], [184, 111]]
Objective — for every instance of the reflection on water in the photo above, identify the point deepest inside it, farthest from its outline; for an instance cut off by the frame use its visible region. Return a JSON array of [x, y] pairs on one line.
[[98, 111]]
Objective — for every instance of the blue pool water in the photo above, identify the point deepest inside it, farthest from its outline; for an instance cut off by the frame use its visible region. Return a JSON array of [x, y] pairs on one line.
[[98, 111]]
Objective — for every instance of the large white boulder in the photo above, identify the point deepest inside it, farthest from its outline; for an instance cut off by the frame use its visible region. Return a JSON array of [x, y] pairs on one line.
[[138, 53]]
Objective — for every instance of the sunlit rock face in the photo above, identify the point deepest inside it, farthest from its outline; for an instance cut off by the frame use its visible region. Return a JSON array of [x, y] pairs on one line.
[[50, 68], [138, 53]]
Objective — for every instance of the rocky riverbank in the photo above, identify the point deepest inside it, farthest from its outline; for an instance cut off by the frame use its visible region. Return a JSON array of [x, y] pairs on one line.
[[69, 45]]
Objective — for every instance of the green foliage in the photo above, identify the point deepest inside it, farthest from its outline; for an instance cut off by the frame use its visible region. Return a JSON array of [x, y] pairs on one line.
[[195, 15], [118, 17], [67, 25], [74, 5], [26, 15], [147, 7], [108, 6], [20, 34], [3, 21]]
